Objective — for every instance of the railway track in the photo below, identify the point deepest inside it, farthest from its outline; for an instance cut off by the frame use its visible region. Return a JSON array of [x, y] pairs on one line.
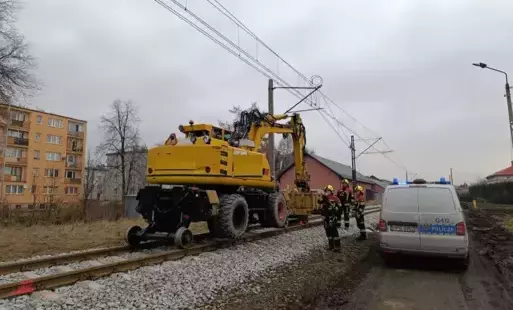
[[52, 281]]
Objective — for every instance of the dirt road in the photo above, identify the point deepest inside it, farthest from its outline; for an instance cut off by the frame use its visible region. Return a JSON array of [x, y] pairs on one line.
[[429, 284], [432, 283]]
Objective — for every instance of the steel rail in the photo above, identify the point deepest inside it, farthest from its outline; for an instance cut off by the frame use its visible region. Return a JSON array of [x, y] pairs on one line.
[[61, 259], [53, 281], [29, 286]]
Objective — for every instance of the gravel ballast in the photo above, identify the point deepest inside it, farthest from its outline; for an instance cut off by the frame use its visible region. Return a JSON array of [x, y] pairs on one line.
[[189, 282]]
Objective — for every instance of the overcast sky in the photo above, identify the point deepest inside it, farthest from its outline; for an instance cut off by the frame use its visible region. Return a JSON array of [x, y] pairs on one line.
[[401, 68]]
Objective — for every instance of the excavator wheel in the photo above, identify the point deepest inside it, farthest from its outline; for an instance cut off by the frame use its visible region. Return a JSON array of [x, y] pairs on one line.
[[276, 215], [233, 216]]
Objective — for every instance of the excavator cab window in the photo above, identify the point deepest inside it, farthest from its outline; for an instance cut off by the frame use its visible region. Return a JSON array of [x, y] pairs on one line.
[[217, 133], [227, 135], [197, 133]]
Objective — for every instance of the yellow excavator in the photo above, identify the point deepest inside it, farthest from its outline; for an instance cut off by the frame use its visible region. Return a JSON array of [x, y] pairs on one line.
[[219, 176]]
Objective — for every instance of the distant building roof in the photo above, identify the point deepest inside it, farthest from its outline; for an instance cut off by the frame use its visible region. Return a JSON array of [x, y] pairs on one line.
[[507, 172], [342, 170]]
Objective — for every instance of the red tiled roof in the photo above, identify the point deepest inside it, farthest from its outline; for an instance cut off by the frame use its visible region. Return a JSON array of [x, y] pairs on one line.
[[503, 173]]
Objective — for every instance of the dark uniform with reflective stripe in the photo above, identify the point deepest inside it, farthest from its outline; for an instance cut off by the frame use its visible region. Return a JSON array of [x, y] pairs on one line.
[[331, 210], [359, 202], [345, 194]]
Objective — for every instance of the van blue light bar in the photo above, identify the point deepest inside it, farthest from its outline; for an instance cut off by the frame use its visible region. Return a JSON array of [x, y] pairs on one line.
[[442, 181]]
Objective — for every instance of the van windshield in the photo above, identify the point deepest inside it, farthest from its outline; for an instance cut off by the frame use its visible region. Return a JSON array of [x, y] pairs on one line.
[[436, 200], [401, 199]]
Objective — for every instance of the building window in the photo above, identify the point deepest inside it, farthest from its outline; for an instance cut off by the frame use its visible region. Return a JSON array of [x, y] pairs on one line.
[[52, 156], [50, 190], [56, 123], [53, 139], [71, 190], [14, 152], [35, 172], [52, 173], [39, 119], [37, 154], [33, 189], [13, 171], [70, 174], [14, 189], [17, 116], [72, 159], [38, 137], [74, 127]]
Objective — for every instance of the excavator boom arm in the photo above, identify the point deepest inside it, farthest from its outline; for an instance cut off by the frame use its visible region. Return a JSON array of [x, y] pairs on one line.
[[296, 129]]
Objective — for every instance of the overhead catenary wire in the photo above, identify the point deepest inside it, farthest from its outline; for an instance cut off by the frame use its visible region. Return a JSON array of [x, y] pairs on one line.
[[218, 6], [261, 68]]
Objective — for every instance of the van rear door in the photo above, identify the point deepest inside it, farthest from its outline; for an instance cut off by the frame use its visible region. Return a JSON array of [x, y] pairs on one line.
[[438, 219], [401, 212]]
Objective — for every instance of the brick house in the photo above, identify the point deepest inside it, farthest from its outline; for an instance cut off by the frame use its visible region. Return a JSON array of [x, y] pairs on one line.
[[324, 171], [504, 175]]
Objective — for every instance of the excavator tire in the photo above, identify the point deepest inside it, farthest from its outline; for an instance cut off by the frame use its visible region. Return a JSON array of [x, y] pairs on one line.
[[233, 216], [276, 215]]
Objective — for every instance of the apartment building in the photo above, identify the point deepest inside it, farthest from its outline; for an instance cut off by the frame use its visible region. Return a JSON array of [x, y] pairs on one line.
[[42, 155]]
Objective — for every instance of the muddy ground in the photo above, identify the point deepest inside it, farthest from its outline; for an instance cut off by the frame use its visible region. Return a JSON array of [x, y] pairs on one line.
[[493, 239], [359, 279]]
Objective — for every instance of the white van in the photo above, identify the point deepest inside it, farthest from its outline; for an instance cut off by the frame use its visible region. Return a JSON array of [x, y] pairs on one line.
[[423, 219]]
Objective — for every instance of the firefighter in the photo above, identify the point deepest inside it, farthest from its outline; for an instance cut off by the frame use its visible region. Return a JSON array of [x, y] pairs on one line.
[[331, 210], [345, 194], [359, 204]]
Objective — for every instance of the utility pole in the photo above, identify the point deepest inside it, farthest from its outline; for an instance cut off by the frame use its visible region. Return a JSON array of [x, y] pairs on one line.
[[510, 112], [508, 101], [450, 178], [270, 146], [406, 176], [353, 163]]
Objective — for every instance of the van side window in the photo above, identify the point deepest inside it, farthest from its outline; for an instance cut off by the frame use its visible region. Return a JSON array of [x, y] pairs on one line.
[[436, 200], [401, 200]]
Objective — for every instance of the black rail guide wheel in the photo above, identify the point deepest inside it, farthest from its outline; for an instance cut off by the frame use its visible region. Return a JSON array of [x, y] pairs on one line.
[[132, 236], [183, 237]]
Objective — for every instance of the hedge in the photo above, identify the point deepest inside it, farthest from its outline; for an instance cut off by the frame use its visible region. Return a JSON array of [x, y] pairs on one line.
[[495, 193]]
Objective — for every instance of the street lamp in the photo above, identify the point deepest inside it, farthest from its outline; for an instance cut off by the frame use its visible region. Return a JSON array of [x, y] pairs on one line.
[[508, 99]]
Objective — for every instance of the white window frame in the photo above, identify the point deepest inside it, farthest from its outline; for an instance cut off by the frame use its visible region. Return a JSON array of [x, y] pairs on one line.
[[71, 190], [39, 119], [53, 139], [13, 189], [53, 156], [55, 122], [51, 172], [73, 173]]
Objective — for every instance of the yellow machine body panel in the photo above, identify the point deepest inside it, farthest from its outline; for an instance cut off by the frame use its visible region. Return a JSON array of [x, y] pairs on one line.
[[207, 164]]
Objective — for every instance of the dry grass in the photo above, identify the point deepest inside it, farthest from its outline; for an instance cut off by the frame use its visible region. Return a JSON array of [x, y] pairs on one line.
[[21, 242]]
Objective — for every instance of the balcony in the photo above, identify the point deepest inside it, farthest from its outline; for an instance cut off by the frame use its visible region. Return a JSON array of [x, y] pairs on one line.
[[74, 149], [16, 160], [19, 124], [14, 178], [73, 165], [76, 134], [17, 141], [74, 181]]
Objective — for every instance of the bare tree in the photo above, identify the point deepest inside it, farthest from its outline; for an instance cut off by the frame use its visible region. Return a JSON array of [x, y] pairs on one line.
[[15, 61], [121, 139]]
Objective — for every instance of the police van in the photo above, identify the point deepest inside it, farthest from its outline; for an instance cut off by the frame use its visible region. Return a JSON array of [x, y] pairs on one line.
[[423, 218]]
